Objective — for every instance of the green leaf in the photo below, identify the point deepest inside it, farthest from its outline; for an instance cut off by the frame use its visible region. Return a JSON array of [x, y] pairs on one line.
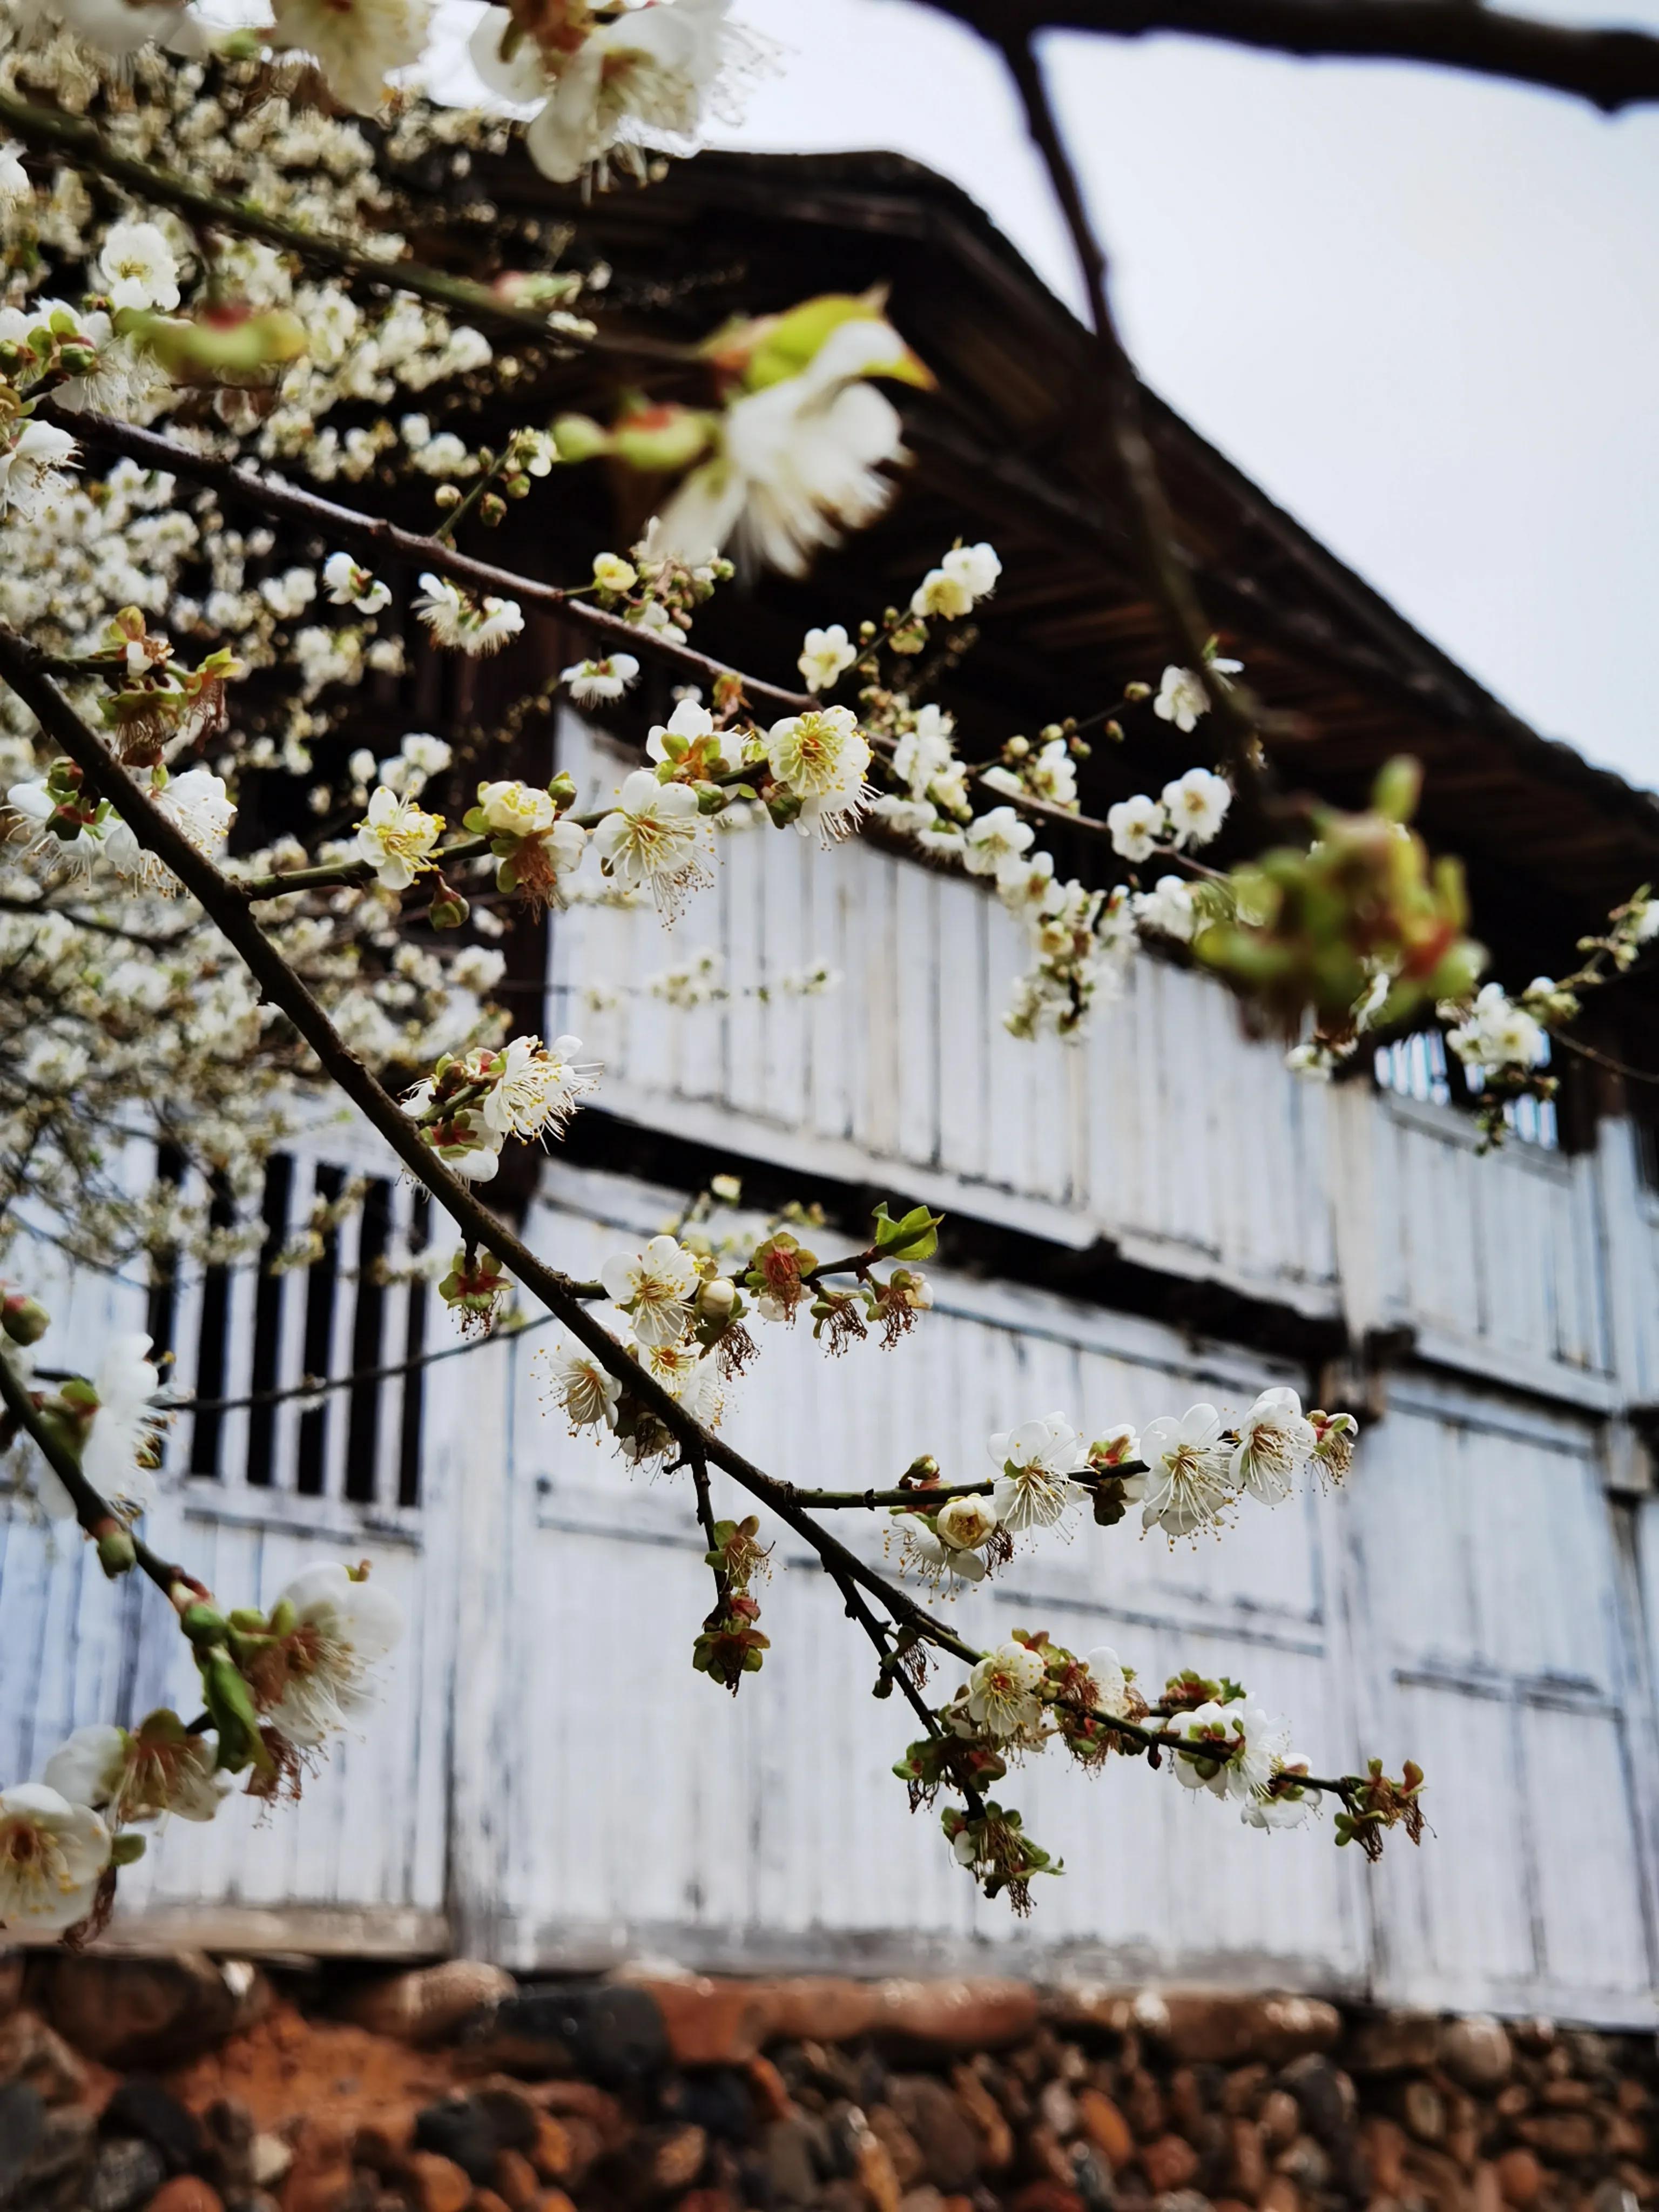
[[915, 1234]]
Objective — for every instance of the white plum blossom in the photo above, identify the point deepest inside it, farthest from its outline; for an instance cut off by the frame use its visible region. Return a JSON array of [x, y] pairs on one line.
[[396, 838], [1182, 699], [636, 79], [654, 1287], [348, 585], [457, 621], [1187, 1471], [14, 177], [587, 1392], [965, 1523], [536, 1086], [949, 1553], [1035, 1461], [1002, 1690], [1197, 804], [1167, 908], [1274, 1445], [996, 842], [825, 655], [1054, 773], [1280, 1802], [137, 266], [199, 808], [1267, 1740], [1250, 1747], [1137, 826], [1499, 1033], [943, 1564], [967, 574], [357, 43], [799, 460], [331, 1631], [926, 751], [907, 817], [690, 720], [653, 838], [1111, 1688], [119, 1453], [976, 568], [31, 468], [690, 1375], [139, 1777], [820, 759], [37, 805], [53, 1857], [1215, 1727], [589, 681], [512, 809]]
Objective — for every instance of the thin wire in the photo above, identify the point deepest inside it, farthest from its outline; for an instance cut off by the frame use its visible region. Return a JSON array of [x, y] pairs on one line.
[[317, 1389]]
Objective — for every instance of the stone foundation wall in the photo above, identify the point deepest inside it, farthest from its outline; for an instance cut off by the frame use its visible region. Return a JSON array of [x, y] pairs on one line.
[[187, 2085]]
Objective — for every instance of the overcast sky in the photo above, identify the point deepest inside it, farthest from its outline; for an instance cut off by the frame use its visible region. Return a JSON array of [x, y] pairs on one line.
[[1421, 311]]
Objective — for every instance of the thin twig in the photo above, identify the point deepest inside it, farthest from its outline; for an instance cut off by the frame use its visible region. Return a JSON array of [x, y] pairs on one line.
[[1164, 564], [95, 1513]]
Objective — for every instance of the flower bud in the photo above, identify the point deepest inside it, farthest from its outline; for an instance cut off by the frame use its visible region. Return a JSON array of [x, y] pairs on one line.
[[24, 1319], [447, 494], [449, 909], [117, 1553], [924, 1468], [964, 1523], [715, 1299], [1134, 692], [203, 1624]]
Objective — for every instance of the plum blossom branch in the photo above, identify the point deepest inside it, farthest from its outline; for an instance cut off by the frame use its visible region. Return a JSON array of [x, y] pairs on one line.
[[96, 1515], [83, 146], [287, 991], [1611, 68], [351, 528]]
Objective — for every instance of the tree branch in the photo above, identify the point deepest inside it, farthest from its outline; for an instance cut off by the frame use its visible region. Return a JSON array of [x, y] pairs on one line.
[[95, 1513], [219, 899], [83, 146], [1161, 562], [354, 530], [1610, 68]]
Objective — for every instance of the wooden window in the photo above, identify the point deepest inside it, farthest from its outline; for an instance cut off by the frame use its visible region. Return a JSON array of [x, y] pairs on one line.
[[252, 1336], [1420, 1066]]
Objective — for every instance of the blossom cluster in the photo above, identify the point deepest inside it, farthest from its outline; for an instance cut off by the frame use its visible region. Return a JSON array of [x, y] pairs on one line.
[[277, 1685], [1186, 1473], [470, 1105]]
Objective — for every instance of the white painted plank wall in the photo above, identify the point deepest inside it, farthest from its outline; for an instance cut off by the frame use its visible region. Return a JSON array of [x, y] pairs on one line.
[[1458, 1603], [1166, 1132]]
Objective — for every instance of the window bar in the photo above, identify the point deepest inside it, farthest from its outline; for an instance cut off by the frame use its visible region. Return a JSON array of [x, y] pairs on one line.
[[368, 1336], [347, 1286], [412, 1411], [318, 1341], [206, 1429], [269, 1299]]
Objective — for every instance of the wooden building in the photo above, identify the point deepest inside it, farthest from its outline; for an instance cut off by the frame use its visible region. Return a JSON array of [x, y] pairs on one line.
[[1160, 1213]]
